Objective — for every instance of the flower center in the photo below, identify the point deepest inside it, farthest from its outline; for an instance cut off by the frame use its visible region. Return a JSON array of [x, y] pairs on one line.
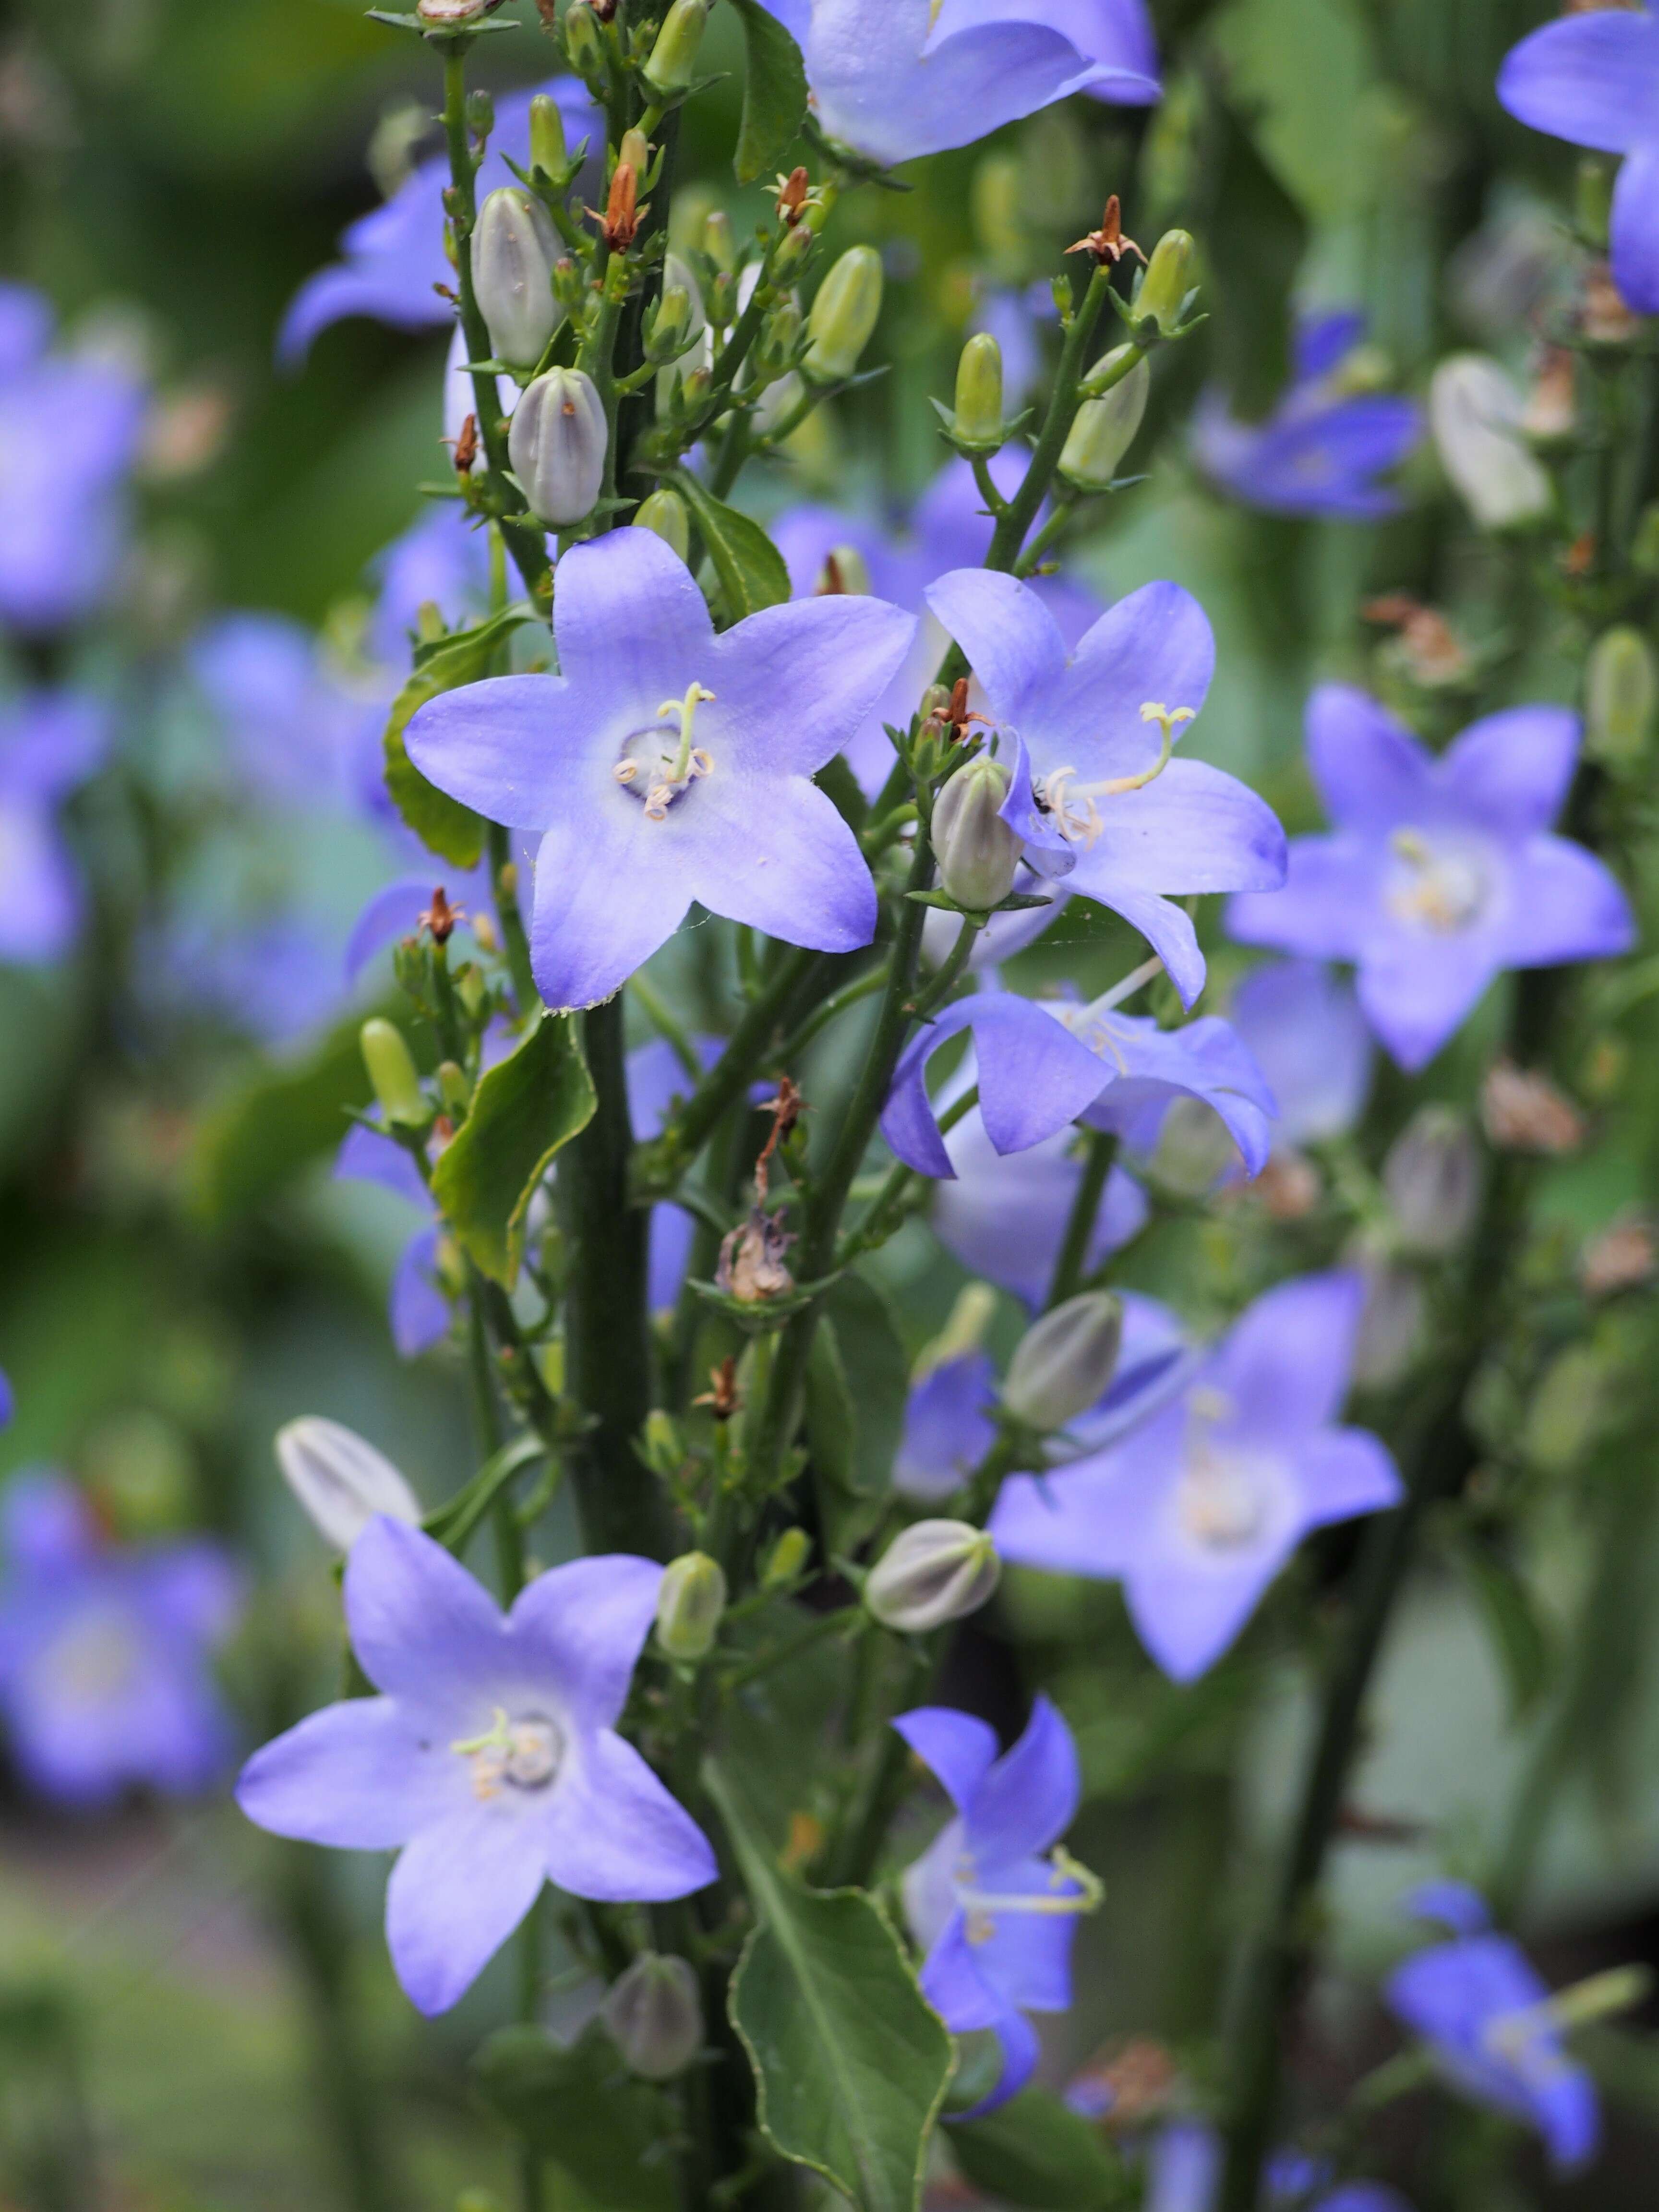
[[1437, 887], [524, 1753], [659, 763], [1076, 818], [1222, 1497], [93, 1660], [1072, 1888]]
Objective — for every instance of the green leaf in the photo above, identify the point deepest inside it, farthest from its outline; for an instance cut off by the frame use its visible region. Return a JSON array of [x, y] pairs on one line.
[[523, 1111], [871, 1348], [850, 2062], [268, 1128], [1036, 2151], [582, 2108], [832, 1427], [1254, 244], [1518, 1636], [773, 93], [454, 832], [749, 565]]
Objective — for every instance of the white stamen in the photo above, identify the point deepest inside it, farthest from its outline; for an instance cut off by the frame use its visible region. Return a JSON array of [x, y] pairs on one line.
[[1081, 824], [526, 1753]]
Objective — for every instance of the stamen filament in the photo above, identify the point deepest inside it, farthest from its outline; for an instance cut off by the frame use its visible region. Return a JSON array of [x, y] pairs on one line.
[[1092, 1890]]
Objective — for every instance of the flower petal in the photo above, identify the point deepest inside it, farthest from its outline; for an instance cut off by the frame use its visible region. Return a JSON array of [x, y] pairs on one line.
[[1510, 771], [1154, 646], [510, 747], [1034, 1077], [1324, 911], [610, 887], [614, 1833], [585, 1624], [960, 1748], [1286, 1363], [1167, 928], [1345, 1471], [629, 620], [1194, 828], [1370, 770], [1030, 1797], [952, 1983], [458, 1892], [832, 655], [1416, 987], [1009, 636], [1564, 904], [423, 1628], [1188, 1617], [1592, 79], [1634, 230], [361, 1775], [773, 852], [417, 1311]]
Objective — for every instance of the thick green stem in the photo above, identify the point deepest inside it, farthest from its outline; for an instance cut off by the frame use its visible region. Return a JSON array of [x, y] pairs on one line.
[[734, 1070], [511, 916], [1072, 1258]]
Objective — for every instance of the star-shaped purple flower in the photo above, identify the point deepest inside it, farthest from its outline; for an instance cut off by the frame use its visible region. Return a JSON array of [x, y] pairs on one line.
[[1482, 2007], [1136, 826], [1321, 450], [667, 763], [49, 742], [105, 1651], [1301, 1023], [990, 1900], [1201, 1511], [289, 722], [490, 1762], [1594, 80], [1440, 873]]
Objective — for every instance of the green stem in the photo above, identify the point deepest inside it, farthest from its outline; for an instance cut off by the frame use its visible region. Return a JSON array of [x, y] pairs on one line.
[[835, 1005], [732, 1073], [1073, 1254], [511, 917], [872, 1229]]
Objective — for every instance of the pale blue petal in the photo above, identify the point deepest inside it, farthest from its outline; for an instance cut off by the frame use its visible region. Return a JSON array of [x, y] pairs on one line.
[[959, 1748], [511, 747], [1418, 988], [1034, 1077], [1369, 769], [773, 852], [1188, 1617], [840, 651], [1634, 230], [1454, 1904], [361, 1775], [1510, 771], [416, 1310], [1029, 1799], [423, 1628], [610, 887], [1591, 79], [630, 624], [1327, 908], [1167, 928], [584, 1624], [1304, 1025], [614, 1833], [1009, 636], [1564, 904], [1286, 1365], [1343, 1473], [458, 1892]]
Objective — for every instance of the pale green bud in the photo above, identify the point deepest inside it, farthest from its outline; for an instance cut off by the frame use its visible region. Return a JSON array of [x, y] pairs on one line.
[[719, 241], [480, 112], [583, 45], [1621, 692], [792, 254], [780, 336], [653, 2013], [513, 251], [557, 443], [935, 1571], [667, 324], [1593, 200], [978, 852], [454, 1088], [664, 511], [568, 289], [788, 1557], [1103, 430], [1432, 1179], [391, 1072], [673, 63], [635, 150], [341, 1480], [999, 218], [1064, 1362], [979, 392], [843, 315], [689, 1605], [547, 147], [1168, 280]]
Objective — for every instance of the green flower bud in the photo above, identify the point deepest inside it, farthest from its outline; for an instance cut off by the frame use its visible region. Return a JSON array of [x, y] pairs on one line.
[[1065, 1361], [978, 852], [788, 1557], [719, 241], [667, 324], [843, 314], [979, 392], [664, 513], [454, 1088], [791, 256], [1103, 430], [392, 1073], [583, 48], [513, 251], [689, 1605], [1593, 201], [547, 147], [1621, 692], [480, 113], [999, 224], [1165, 287], [662, 1449], [567, 287], [557, 442], [935, 1571], [341, 1481], [635, 150], [1432, 1179], [653, 2013], [673, 62]]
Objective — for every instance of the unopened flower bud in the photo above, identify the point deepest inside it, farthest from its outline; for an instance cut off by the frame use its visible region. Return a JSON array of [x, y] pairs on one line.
[[635, 150], [341, 1480], [999, 224], [1168, 280], [653, 2013], [1593, 200], [547, 146], [788, 1557], [1475, 412], [391, 1072], [513, 256], [1621, 692], [673, 63], [582, 45], [1103, 430], [689, 1605], [1432, 1178], [557, 443], [667, 324], [779, 336], [664, 511], [794, 250], [454, 1088], [935, 1571], [567, 283], [480, 112], [979, 392], [1064, 1362], [453, 15], [978, 854], [719, 241], [843, 314]]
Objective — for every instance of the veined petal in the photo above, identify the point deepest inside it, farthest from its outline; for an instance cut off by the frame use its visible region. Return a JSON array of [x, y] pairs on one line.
[[1009, 636], [952, 1983], [629, 622], [796, 682], [511, 747], [1192, 828], [1030, 1797], [1034, 1077], [774, 853], [614, 1833], [585, 1624], [361, 1775], [610, 887], [1591, 79], [459, 1890], [1167, 928], [1155, 645], [423, 1628]]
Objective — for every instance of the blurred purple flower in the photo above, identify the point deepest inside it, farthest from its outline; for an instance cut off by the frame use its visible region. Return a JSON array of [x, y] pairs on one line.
[[1184, 2174], [991, 1901], [417, 1310], [490, 1762], [1200, 1513], [1301, 1023], [1140, 826], [1594, 80], [8, 1402], [442, 558], [394, 912], [276, 979], [394, 256], [291, 725], [106, 1676], [70, 428], [667, 763], [49, 742], [655, 1079], [1485, 2012], [1440, 873], [1322, 448]]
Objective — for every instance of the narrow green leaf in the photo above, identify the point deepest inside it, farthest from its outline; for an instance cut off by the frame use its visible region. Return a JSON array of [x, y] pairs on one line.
[[773, 93], [454, 832], [1036, 2151], [851, 2062], [749, 565], [871, 1349], [582, 2108], [524, 1111], [1518, 1635]]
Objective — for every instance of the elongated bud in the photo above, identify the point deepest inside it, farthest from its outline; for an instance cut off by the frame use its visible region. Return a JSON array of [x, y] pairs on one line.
[[547, 147], [794, 248], [635, 150], [779, 338], [843, 314], [667, 324], [1168, 280], [1103, 430], [689, 1605], [391, 1072], [664, 513], [788, 1557], [1063, 1362], [1593, 200], [454, 1088], [1432, 1178], [1475, 412], [673, 63], [999, 224], [556, 443], [653, 2013], [341, 1480], [513, 256], [567, 283], [582, 45], [1621, 692], [937, 1570], [978, 852], [979, 392], [719, 241]]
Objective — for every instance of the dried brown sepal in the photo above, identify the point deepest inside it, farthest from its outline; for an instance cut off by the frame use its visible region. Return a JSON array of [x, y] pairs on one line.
[[1524, 1112], [440, 917], [792, 193], [956, 714], [1108, 244], [620, 223], [466, 446], [722, 1400], [751, 1266]]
